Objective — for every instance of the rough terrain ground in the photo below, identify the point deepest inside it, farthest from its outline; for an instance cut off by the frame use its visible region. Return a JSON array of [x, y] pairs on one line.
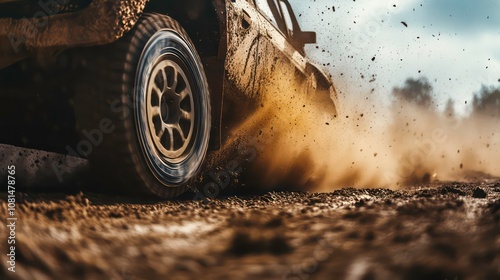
[[445, 230]]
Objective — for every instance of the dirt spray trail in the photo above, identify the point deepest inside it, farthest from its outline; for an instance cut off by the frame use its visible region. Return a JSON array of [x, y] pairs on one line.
[[433, 144], [368, 145]]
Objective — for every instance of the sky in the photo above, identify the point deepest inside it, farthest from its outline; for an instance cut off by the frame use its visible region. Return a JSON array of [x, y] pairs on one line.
[[377, 44]]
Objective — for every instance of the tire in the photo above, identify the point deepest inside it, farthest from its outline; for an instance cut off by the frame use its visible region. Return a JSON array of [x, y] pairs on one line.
[[145, 108]]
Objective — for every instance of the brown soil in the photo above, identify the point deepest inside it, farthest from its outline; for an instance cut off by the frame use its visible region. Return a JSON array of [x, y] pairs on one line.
[[439, 231]]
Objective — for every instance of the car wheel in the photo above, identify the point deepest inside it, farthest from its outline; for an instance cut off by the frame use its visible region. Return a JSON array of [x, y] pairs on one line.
[[145, 109]]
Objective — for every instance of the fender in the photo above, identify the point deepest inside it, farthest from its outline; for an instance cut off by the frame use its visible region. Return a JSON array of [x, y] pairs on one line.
[[101, 22]]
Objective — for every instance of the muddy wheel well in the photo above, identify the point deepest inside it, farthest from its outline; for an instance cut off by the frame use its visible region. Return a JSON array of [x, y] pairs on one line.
[[198, 17]]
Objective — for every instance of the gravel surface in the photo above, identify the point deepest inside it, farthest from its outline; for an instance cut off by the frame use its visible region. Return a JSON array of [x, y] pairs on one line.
[[439, 231]]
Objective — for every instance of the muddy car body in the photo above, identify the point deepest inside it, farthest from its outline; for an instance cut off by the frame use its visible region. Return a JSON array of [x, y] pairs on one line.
[[160, 77]]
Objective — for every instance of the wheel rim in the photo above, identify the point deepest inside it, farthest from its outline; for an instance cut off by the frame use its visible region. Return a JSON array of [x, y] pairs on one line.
[[167, 50], [170, 108]]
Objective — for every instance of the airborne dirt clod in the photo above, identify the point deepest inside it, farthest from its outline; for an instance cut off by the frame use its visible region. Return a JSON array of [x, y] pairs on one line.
[[440, 231]]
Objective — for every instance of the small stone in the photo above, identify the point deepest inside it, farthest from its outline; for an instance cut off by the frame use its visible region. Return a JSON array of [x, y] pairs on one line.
[[479, 193]]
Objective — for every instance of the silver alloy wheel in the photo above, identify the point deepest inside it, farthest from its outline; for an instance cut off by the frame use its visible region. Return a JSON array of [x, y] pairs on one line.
[[170, 108]]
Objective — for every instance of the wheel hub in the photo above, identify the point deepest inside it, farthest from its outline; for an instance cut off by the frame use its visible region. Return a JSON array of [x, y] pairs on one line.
[[170, 108]]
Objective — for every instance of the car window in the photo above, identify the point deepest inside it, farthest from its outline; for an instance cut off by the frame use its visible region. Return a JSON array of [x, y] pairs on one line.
[[280, 14], [264, 7], [287, 18]]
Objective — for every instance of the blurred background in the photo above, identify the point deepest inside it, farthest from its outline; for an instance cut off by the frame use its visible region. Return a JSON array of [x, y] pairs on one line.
[[380, 44]]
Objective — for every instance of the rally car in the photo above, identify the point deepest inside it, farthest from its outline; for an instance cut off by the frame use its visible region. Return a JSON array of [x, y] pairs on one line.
[[156, 77]]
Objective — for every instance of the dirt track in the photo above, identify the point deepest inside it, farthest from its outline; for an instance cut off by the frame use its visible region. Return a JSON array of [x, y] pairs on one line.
[[439, 231]]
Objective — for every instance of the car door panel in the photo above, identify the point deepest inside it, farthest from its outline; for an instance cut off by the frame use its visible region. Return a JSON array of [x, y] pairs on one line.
[[280, 60], [243, 47]]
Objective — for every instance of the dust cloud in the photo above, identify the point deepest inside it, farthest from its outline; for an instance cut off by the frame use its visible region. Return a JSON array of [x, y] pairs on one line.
[[370, 143]]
